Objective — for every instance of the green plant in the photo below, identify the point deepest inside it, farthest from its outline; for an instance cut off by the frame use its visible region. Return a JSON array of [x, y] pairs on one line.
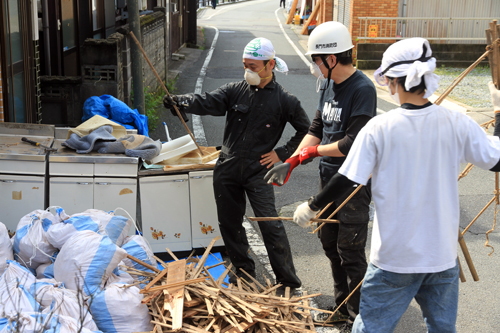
[[153, 101]]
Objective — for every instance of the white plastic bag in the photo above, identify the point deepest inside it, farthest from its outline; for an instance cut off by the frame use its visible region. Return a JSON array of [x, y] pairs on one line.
[[110, 314], [6, 252], [33, 322], [15, 298], [56, 299], [137, 247], [116, 227], [59, 233], [86, 261], [31, 247], [17, 273]]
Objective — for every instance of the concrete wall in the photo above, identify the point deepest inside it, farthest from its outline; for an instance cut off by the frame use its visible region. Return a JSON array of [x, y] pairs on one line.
[[452, 55]]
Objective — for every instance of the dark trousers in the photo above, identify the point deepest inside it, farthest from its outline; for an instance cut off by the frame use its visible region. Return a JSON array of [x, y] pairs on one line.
[[344, 245], [282, 2], [233, 178], [214, 3]]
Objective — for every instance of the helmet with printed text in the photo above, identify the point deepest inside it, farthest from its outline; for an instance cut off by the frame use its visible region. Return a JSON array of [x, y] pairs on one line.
[[329, 38]]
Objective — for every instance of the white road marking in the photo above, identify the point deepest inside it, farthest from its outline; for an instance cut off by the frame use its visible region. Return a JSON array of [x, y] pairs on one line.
[[199, 131], [301, 55]]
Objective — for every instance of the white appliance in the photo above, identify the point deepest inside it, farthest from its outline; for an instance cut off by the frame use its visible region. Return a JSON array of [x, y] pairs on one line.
[[165, 212], [204, 221], [22, 171]]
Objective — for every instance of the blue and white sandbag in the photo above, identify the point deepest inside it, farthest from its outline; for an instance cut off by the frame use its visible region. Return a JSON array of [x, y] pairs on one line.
[[15, 298], [33, 322], [56, 299], [6, 252], [31, 247], [17, 273], [116, 227], [86, 261], [137, 247], [110, 314], [59, 233], [119, 276]]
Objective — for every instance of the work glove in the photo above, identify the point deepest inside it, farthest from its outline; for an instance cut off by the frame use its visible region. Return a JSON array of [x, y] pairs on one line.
[[303, 215], [307, 154], [279, 174], [495, 96], [181, 101]]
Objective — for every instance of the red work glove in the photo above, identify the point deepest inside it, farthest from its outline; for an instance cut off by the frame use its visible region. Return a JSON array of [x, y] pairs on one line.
[[279, 175], [307, 154]]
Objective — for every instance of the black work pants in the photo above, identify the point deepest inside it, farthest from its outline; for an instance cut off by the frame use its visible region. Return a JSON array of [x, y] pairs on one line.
[[344, 245], [282, 2], [233, 178]]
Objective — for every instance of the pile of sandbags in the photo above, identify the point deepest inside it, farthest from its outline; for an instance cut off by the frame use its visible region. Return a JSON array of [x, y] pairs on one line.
[[62, 273]]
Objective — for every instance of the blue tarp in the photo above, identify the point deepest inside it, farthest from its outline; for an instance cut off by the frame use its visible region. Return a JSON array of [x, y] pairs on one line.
[[113, 109], [212, 259]]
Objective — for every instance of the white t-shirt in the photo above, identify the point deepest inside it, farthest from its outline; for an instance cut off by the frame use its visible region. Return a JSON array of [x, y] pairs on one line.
[[415, 156]]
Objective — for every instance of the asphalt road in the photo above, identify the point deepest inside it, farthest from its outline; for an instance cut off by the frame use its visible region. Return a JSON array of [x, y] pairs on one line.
[[234, 25]]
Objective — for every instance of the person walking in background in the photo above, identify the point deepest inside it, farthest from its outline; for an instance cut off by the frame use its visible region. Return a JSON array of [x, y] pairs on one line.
[[257, 109], [214, 3], [282, 2]]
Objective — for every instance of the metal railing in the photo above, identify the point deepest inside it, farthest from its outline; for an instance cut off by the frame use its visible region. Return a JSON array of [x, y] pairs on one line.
[[470, 30]]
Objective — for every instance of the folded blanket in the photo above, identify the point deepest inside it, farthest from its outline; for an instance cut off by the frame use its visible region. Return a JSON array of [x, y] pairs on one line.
[[132, 145], [85, 144]]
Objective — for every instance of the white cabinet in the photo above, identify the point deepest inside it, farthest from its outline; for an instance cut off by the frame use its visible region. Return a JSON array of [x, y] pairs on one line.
[[19, 195], [77, 194], [204, 222], [73, 194], [165, 212]]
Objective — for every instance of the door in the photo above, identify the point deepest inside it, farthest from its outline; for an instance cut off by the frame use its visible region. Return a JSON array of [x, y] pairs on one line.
[[73, 194], [16, 48], [165, 213], [19, 195], [69, 33], [112, 193], [204, 221]]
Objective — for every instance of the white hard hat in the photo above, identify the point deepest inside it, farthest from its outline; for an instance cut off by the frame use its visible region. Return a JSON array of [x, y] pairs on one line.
[[329, 38]]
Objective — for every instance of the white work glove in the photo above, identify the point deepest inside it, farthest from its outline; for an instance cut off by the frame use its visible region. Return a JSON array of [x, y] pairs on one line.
[[495, 96], [303, 215]]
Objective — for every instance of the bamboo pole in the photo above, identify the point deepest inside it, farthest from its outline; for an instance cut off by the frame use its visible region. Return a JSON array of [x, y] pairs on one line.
[[467, 256], [289, 219], [166, 90], [312, 17], [291, 14]]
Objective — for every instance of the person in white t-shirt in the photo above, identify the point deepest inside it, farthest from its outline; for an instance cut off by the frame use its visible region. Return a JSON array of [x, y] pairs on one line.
[[413, 154]]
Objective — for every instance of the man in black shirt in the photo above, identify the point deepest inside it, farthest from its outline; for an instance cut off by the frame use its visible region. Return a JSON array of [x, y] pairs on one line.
[[257, 110], [348, 100]]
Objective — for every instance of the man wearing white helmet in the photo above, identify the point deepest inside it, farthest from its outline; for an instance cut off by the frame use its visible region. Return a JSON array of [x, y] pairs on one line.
[[257, 110], [347, 102], [413, 154]]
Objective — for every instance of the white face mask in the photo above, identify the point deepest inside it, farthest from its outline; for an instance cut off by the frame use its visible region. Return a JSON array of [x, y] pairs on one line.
[[314, 68], [252, 78], [395, 96]]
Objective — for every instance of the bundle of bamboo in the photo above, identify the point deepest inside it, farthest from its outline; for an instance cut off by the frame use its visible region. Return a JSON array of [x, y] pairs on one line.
[[185, 297]]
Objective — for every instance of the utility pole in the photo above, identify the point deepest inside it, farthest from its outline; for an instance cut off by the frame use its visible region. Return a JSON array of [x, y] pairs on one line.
[[136, 56]]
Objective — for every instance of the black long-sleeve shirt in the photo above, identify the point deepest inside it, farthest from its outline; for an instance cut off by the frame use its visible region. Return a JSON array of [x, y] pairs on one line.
[[255, 117]]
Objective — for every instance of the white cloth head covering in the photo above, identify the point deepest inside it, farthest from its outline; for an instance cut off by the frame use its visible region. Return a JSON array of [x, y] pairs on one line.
[[262, 49], [420, 65]]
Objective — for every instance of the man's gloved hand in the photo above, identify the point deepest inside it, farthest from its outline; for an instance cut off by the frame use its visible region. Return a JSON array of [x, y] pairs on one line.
[[181, 101], [495, 96], [279, 174], [307, 154], [303, 215]]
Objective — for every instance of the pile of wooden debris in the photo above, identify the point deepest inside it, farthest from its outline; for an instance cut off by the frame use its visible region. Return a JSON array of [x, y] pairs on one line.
[[185, 297]]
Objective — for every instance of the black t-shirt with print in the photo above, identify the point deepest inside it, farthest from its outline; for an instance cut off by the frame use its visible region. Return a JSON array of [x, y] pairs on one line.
[[338, 103]]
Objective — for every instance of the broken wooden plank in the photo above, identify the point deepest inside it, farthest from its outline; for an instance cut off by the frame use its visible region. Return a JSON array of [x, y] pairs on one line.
[[177, 273]]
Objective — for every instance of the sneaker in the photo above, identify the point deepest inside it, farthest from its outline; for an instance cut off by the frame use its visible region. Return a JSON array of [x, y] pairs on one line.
[[346, 328], [280, 292], [322, 317]]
